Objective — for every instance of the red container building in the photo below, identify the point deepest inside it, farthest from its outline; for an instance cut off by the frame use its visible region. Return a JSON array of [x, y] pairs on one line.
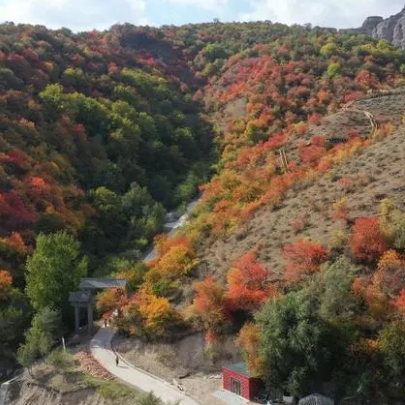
[[237, 379]]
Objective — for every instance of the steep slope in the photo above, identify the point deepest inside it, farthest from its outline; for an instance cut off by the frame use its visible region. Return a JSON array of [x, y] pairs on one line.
[[85, 120], [98, 136], [371, 175]]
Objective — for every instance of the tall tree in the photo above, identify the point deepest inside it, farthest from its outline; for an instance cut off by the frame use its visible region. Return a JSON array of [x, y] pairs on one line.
[[54, 270], [298, 348], [45, 329]]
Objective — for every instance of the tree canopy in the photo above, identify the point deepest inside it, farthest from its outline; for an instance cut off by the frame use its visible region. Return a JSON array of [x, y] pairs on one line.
[[55, 270]]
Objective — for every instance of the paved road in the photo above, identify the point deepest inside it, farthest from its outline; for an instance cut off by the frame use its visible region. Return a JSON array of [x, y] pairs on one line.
[[171, 227], [100, 347]]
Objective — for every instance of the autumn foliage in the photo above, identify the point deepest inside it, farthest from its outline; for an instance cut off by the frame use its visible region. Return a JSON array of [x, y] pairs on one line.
[[209, 307], [303, 258], [368, 242], [390, 274], [5, 284], [110, 300], [148, 315], [249, 284], [249, 341], [399, 302]]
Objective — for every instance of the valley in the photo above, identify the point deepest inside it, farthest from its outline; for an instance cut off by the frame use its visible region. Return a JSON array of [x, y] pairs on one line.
[[245, 179]]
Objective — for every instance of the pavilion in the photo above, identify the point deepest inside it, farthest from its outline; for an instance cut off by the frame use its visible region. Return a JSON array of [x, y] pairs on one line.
[[84, 297]]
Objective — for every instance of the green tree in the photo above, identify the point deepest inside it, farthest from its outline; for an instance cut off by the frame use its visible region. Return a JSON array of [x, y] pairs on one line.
[[334, 288], [55, 270], [213, 52], [298, 348], [14, 317], [46, 329], [333, 69], [392, 345], [144, 215]]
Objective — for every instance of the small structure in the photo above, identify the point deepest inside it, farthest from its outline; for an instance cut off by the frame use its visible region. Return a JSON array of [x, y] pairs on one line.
[[316, 399], [84, 298], [238, 379], [101, 283]]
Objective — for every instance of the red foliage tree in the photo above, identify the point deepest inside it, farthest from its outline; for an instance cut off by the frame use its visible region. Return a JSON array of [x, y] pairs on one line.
[[311, 155], [16, 242], [303, 257], [5, 284], [399, 302], [368, 242], [209, 306], [248, 284]]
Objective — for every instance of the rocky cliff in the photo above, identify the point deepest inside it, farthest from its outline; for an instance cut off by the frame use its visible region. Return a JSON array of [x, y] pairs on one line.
[[392, 28], [369, 25]]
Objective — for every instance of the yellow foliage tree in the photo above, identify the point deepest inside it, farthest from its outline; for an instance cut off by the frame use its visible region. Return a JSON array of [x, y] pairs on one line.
[[249, 341], [177, 262]]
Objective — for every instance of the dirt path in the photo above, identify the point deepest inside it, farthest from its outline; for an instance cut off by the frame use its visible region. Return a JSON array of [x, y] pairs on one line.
[[100, 347]]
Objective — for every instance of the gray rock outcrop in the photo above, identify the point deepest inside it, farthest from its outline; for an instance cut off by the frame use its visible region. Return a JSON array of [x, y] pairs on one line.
[[369, 25], [392, 29]]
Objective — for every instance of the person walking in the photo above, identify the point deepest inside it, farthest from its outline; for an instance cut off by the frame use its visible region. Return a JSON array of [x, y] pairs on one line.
[[117, 360]]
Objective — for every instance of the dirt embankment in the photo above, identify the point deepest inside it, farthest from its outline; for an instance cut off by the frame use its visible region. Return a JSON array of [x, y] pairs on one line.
[[32, 394], [187, 357]]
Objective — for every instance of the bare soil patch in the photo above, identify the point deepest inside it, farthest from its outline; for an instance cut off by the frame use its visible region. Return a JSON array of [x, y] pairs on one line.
[[187, 356]]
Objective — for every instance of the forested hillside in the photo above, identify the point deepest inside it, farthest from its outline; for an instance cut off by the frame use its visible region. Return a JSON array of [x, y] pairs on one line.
[[300, 257], [97, 138]]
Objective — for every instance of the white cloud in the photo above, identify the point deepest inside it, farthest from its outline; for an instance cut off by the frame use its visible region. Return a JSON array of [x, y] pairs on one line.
[[331, 13], [203, 4], [78, 15]]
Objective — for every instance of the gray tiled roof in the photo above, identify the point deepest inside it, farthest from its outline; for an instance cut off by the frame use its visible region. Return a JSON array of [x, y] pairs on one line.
[[80, 297], [316, 399], [99, 283]]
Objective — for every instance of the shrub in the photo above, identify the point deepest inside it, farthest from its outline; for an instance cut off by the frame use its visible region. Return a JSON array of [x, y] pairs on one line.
[[248, 284], [209, 307], [5, 284], [303, 257], [249, 342], [368, 242]]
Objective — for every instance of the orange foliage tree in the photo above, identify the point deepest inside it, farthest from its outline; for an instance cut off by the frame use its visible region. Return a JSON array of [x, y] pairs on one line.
[[248, 284], [110, 300], [15, 242], [399, 303], [148, 315], [368, 242], [303, 257], [176, 257], [209, 307], [177, 262], [249, 341], [390, 274], [5, 284], [163, 243]]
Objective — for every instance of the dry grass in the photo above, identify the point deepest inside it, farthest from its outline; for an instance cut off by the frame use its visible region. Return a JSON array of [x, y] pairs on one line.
[[375, 174]]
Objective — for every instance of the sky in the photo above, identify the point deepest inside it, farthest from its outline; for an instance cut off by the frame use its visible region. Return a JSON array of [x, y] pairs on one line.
[[83, 15]]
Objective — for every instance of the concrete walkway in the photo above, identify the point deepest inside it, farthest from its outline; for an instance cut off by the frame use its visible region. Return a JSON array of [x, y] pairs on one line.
[[101, 349]]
